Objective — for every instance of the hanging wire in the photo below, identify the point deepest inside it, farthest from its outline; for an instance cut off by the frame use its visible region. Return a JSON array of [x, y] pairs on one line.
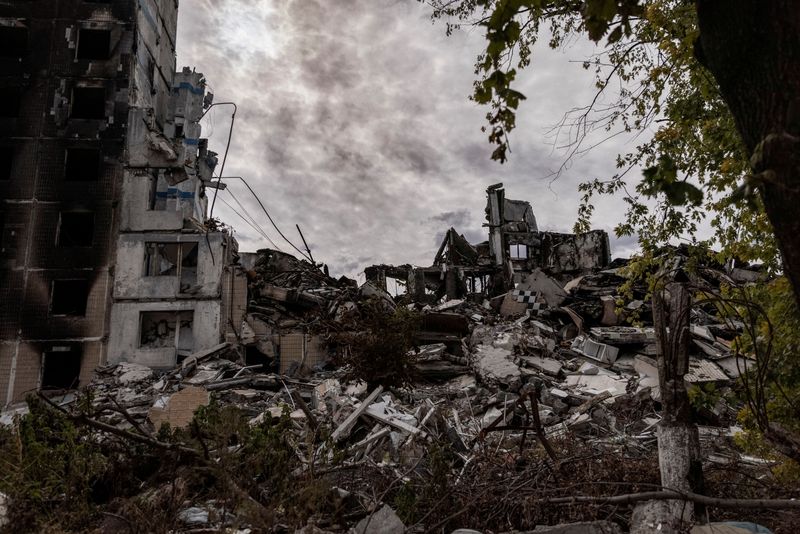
[[249, 223], [253, 220], [264, 209]]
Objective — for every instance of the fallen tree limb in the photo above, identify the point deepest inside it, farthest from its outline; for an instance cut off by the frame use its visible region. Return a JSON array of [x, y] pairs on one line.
[[111, 429], [631, 498]]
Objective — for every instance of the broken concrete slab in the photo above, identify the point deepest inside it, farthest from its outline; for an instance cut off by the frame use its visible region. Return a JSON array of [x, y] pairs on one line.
[[449, 305], [130, 373], [384, 521], [549, 366], [595, 384], [386, 412], [601, 352], [584, 527], [647, 368], [495, 365], [431, 352], [623, 335]]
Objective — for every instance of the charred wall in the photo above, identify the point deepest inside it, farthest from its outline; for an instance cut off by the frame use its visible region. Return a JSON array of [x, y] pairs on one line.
[[66, 82]]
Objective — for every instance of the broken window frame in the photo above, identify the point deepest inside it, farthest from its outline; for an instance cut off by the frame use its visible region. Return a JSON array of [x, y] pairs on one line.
[[183, 320], [57, 376], [185, 250]]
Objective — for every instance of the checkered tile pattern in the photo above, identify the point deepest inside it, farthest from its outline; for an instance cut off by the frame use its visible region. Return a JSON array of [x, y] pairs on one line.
[[531, 298]]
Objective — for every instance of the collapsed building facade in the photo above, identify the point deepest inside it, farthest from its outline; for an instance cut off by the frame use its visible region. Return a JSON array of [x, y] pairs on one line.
[[515, 248], [106, 252]]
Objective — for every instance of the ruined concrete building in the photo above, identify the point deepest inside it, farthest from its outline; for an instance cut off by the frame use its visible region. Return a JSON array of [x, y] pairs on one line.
[[106, 252], [515, 249]]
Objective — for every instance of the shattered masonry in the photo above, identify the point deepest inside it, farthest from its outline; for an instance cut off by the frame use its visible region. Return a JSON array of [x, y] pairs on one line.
[[515, 249], [105, 256]]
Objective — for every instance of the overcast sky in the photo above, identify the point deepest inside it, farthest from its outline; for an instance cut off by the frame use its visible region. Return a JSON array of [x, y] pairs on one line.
[[354, 122]]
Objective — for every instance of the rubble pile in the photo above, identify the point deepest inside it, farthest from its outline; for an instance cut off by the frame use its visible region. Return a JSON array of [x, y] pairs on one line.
[[534, 394]]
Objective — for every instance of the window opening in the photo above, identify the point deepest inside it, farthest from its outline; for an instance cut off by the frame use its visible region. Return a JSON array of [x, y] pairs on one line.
[[13, 41], [188, 267], [94, 44], [518, 252], [6, 159], [10, 101], [75, 229], [168, 329], [69, 297], [172, 259], [61, 368], [88, 103], [82, 165]]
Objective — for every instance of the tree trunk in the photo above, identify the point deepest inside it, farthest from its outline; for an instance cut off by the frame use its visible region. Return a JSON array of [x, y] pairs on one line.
[[753, 50], [678, 439]]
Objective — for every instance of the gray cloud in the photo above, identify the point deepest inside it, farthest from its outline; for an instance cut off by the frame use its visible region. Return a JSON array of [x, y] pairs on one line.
[[354, 123]]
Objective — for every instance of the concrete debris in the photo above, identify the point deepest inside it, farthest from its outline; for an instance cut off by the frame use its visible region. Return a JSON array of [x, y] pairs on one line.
[[499, 329], [595, 350], [194, 516], [584, 527], [128, 373], [384, 521], [494, 365]]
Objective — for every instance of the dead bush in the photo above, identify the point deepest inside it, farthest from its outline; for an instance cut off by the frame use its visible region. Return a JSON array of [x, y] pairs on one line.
[[378, 348]]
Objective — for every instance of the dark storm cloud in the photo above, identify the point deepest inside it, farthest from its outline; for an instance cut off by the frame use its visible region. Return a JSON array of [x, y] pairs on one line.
[[354, 122]]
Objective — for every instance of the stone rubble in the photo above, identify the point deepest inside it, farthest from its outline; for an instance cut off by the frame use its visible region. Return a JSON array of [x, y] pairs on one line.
[[584, 376]]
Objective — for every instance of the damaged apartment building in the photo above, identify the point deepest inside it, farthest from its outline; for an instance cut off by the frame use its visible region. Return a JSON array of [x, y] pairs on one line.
[[106, 251], [515, 249]]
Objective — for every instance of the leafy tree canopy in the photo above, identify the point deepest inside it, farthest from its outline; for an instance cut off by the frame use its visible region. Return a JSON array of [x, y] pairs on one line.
[[695, 165]]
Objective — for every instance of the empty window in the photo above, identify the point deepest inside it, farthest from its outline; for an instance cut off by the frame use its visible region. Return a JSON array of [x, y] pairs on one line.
[[10, 100], [94, 44], [6, 158], [75, 229], [172, 259], [13, 41], [518, 252], [159, 329], [88, 103], [61, 368], [82, 164], [69, 297]]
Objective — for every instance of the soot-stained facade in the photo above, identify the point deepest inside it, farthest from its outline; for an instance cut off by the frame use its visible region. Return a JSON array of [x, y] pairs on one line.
[[102, 180]]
